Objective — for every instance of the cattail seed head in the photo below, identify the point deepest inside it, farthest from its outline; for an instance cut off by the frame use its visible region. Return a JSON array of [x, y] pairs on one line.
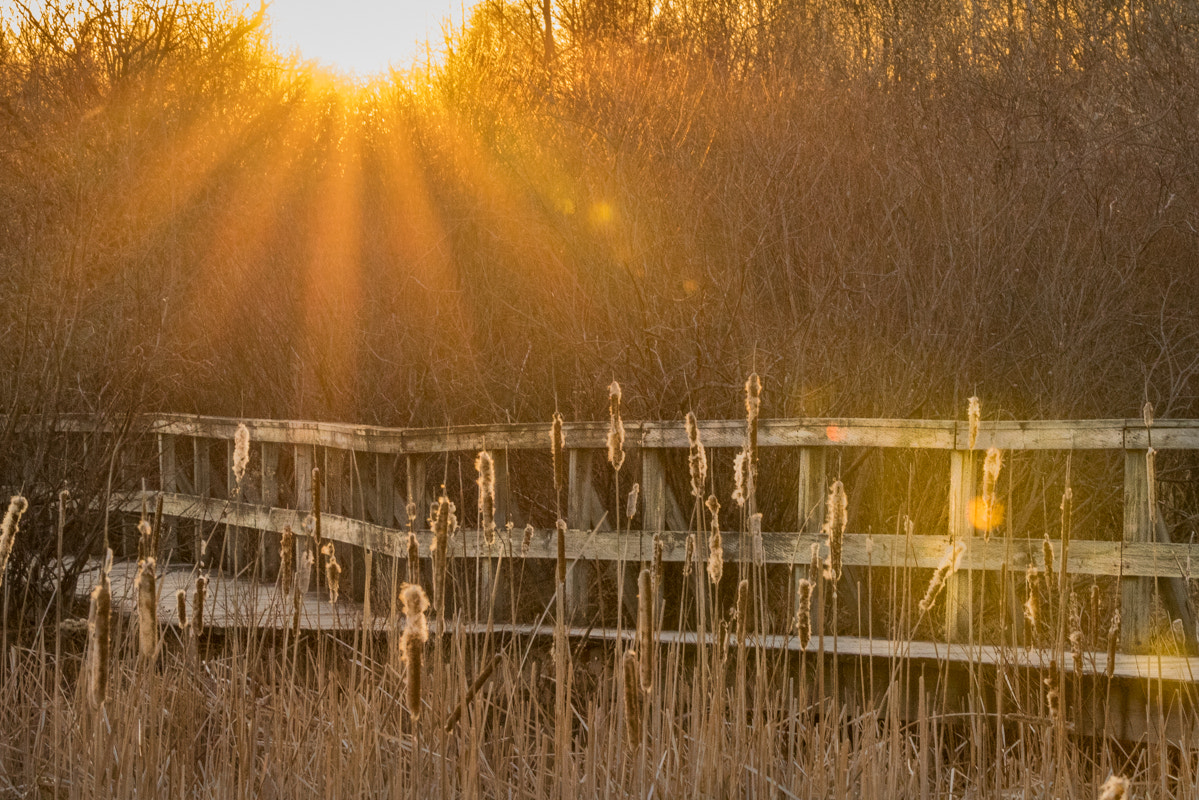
[[147, 608], [558, 450], [181, 608], [645, 628], [834, 528], [630, 507], [1113, 642], [974, 415], [740, 489], [715, 542], [755, 540], [657, 563], [815, 565], [688, 554], [485, 466], [753, 408], [316, 509], [241, 452], [697, 459], [332, 572], [1147, 414], [803, 613], [949, 564], [1031, 604], [412, 642], [560, 527], [145, 538], [1075, 635], [1047, 555], [198, 600], [991, 467], [444, 525], [413, 558], [1115, 787], [632, 700], [287, 559], [410, 513], [100, 636], [1052, 696], [526, 541], [615, 428], [742, 610], [17, 506]]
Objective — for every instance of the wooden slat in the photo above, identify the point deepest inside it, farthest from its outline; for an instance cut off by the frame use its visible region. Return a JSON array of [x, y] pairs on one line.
[[1136, 594], [959, 599], [237, 603], [1087, 557]]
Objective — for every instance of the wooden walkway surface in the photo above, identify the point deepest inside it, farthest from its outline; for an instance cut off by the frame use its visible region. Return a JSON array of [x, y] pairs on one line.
[[239, 603]]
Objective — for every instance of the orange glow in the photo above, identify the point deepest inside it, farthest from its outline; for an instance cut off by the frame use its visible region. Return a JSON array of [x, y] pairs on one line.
[[834, 433], [984, 518]]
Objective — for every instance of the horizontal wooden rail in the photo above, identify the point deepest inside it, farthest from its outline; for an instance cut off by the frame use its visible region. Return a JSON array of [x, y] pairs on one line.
[[1115, 434], [1086, 557]]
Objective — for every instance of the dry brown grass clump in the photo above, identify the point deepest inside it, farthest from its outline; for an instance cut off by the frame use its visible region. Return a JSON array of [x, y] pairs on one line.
[[17, 506]]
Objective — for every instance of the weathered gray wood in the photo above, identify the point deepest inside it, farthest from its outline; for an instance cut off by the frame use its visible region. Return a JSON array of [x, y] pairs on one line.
[[268, 541], [305, 457], [417, 485], [168, 481], [579, 514], [1136, 594], [959, 597], [811, 496], [653, 491], [202, 478], [384, 490]]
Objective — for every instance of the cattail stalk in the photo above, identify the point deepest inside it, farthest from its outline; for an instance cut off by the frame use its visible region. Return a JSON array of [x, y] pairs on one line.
[[757, 548], [659, 548], [1113, 643], [1032, 608], [688, 554], [17, 507], [560, 528], [645, 628], [753, 409], [181, 608], [241, 453], [413, 558], [949, 564], [198, 604], [558, 450], [332, 572], [444, 524], [630, 508], [526, 541], [615, 428], [834, 529], [715, 542]]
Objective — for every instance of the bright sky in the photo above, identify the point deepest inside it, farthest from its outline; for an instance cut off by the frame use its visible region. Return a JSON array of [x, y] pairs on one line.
[[362, 36]]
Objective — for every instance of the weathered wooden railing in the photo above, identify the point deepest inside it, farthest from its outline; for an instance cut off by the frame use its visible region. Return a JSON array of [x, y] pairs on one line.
[[364, 507]]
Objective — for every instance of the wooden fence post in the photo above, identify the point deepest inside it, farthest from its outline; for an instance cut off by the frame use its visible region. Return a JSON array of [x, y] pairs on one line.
[[202, 472], [959, 597], [168, 483], [268, 543], [1136, 594], [304, 457]]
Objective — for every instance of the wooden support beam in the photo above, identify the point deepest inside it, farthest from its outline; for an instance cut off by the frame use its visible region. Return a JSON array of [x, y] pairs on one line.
[[168, 482], [1136, 594], [959, 597], [304, 456], [268, 543]]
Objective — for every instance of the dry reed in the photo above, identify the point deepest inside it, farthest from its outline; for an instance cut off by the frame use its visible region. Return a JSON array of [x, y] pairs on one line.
[[740, 491], [757, 548], [287, 559], [974, 415], [100, 636], [1113, 643], [560, 528], [413, 558], [241, 453], [1032, 606], [688, 554], [991, 468], [1114, 788], [697, 457], [558, 451], [198, 600], [753, 409], [632, 700], [949, 564], [645, 628]]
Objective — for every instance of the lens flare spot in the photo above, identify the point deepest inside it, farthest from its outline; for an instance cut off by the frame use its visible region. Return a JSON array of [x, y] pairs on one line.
[[985, 518], [690, 287], [834, 433], [601, 213]]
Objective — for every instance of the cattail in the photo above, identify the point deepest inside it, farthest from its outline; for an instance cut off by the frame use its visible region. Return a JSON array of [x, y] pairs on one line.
[[803, 614], [834, 529], [1047, 555], [147, 608], [974, 414], [181, 608], [1115, 787], [526, 541], [753, 408], [991, 467], [287, 559], [99, 636], [145, 534], [316, 510], [715, 543], [740, 490], [632, 700], [558, 449], [1113, 641], [815, 564], [561, 529], [688, 554], [630, 506], [657, 563], [742, 610], [241, 452], [1094, 613], [17, 507], [697, 459], [1147, 414], [615, 428], [412, 642], [413, 558], [485, 466], [198, 604], [444, 525], [410, 513], [645, 628], [156, 531], [949, 564], [1032, 606], [1052, 697], [332, 572], [755, 540], [1151, 484]]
